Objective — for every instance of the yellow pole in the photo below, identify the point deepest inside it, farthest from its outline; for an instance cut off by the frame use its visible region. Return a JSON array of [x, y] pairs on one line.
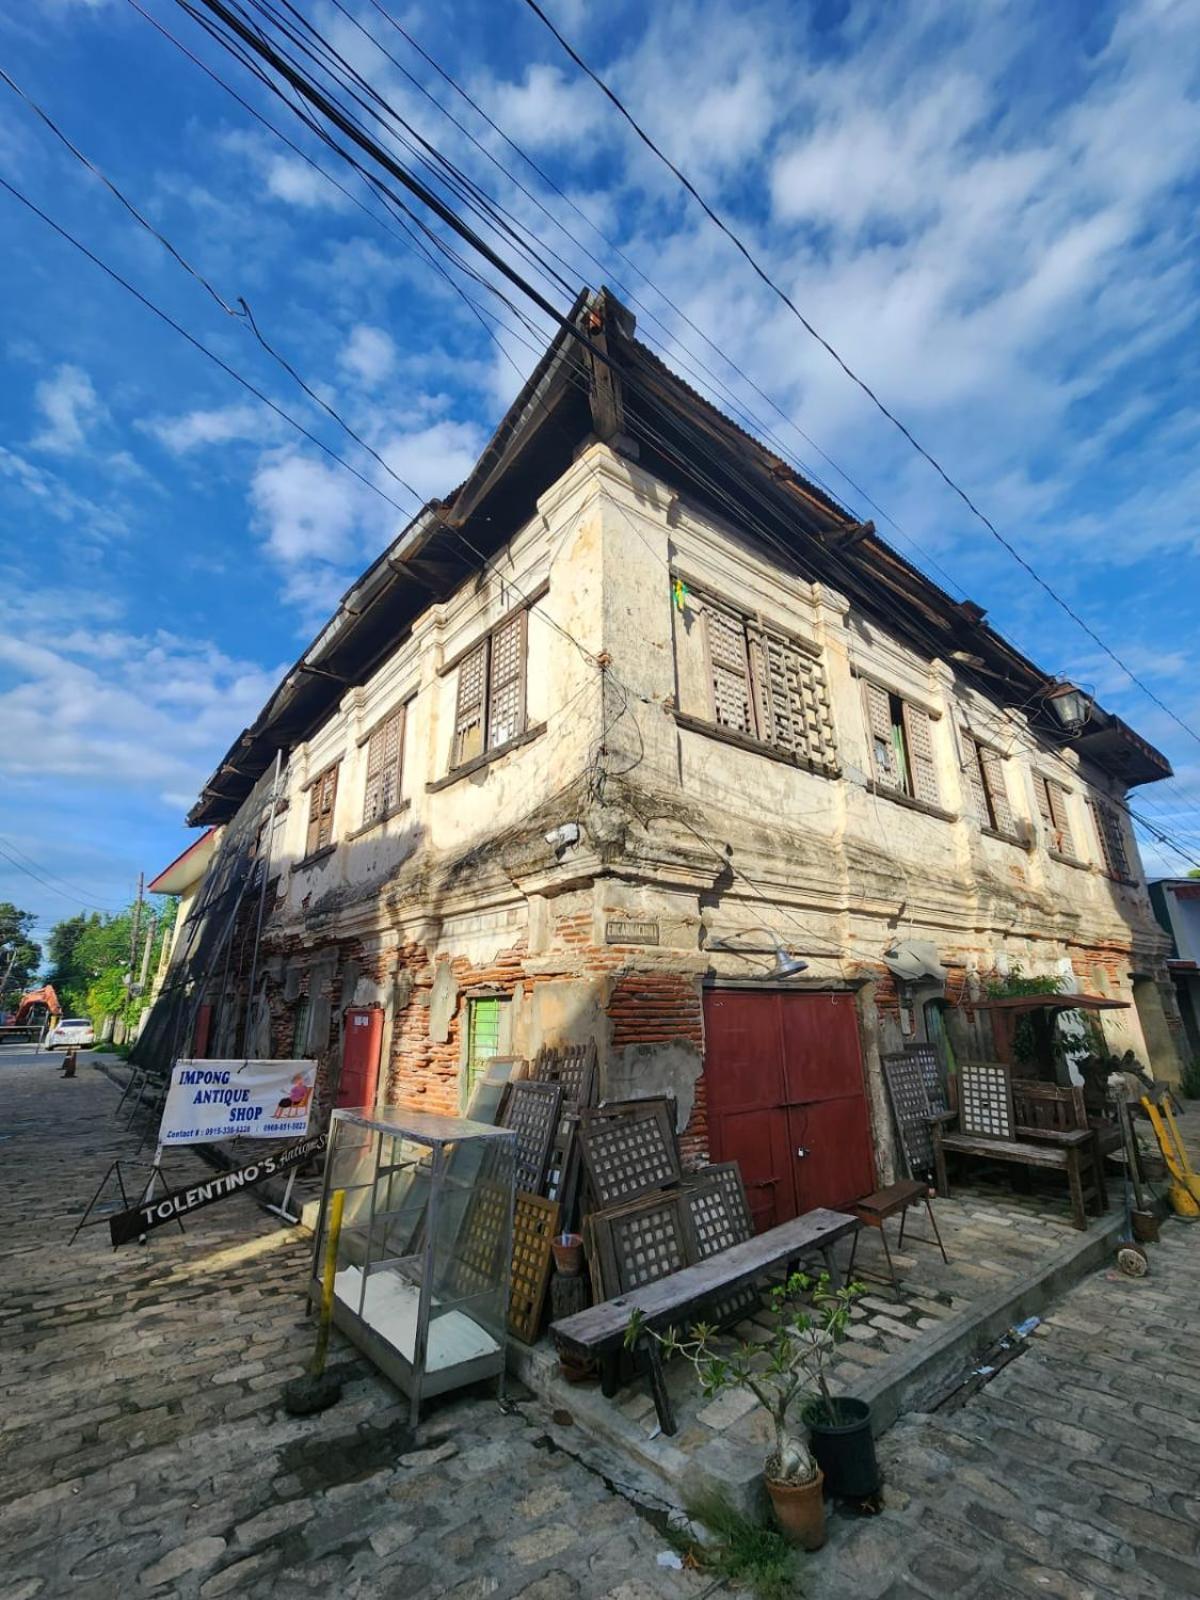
[[336, 1203]]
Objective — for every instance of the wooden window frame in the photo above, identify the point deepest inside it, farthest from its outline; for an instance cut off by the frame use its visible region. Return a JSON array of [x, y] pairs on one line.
[[502, 1002], [764, 655], [379, 808], [906, 730], [321, 815], [985, 773], [479, 709], [1110, 835], [1051, 796]]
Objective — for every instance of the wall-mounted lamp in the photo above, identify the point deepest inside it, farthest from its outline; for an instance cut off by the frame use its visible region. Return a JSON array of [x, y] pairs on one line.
[[786, 964], [1070, 705]]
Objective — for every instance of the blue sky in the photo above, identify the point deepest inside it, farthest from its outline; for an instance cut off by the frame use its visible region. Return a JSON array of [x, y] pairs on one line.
[[989, 210]]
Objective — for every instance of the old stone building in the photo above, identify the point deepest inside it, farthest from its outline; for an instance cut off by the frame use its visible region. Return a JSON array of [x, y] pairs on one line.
[[639, 737]]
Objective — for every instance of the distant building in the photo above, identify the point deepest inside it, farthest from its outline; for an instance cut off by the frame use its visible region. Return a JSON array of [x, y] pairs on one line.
[[640, 738], [1176, 903]]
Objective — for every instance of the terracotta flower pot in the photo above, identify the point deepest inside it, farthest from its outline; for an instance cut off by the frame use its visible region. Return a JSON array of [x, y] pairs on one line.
[[800, 1510], [568, 1253]]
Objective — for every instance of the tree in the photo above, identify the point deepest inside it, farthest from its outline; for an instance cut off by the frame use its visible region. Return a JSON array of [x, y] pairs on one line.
[[91, 960], [1194, 873], [20, 957]]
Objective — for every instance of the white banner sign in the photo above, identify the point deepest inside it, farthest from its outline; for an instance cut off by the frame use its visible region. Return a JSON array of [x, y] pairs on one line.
[[237, 1099]]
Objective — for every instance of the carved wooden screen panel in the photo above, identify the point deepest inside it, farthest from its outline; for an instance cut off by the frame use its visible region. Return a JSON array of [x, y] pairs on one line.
[[930, 1068], [629, 1149], [717, 1202], [911, 1108], [572, 1065], [641, 1243], [533, 1114], [480, 1238], [985, 1103], [535, 1223]]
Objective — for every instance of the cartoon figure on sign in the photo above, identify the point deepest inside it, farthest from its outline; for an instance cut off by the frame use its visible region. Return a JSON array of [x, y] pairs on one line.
[[295, 1102]]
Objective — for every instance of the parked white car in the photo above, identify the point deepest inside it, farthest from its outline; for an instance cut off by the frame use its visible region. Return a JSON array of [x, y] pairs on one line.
[[70, 1033]]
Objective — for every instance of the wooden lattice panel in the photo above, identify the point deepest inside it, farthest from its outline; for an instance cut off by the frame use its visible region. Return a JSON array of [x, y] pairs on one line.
[[717, 1203], [480, 1239], [926, 1058], [985, 1104], [532, 1113], [629, 1149], [572, 1065], [641, 1243], [911, 1109], [535, 1223]]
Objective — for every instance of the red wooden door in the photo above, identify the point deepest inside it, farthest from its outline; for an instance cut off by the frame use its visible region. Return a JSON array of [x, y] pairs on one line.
[[201, 1031], [362, 1037], [783, 1074]]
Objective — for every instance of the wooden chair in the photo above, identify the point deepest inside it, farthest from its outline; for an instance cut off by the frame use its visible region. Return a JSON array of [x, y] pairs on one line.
[[1044, 1111]]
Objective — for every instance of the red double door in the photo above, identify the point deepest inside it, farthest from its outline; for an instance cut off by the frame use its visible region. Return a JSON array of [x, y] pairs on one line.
[[784, 1079]]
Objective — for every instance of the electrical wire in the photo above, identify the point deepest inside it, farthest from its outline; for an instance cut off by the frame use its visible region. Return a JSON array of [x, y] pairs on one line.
[[229, 371], [76, 899], [860, 383], [226, 308]]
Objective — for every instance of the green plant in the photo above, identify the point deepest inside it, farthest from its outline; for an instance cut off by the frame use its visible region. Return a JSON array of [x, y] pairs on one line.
[[1035, 1033], [743, 1552], [789, 1370], [1190, 1080]]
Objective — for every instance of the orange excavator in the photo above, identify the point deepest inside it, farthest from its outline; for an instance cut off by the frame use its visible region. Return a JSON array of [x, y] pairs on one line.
[[36, 1007]]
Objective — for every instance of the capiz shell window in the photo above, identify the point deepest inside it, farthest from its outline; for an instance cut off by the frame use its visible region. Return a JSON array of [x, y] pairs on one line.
[[490, 700]]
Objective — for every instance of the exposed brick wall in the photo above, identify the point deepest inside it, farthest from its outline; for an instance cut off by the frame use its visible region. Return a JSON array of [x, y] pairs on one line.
[[657, 1007]]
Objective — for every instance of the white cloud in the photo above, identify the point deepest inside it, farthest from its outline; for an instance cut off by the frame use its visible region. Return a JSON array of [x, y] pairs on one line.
[[221, 425], [121, 710], [369, 355], [70, 409], [546, 109], [309, 510]]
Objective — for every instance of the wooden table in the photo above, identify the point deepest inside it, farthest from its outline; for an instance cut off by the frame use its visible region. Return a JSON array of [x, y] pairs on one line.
[[599, 1332], [873, 1210]]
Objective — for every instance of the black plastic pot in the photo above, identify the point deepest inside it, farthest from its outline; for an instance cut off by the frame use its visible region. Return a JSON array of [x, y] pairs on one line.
[[845, 1450]]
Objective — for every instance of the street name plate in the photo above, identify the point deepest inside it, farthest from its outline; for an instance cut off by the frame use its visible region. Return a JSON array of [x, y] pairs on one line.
[[625, 930]]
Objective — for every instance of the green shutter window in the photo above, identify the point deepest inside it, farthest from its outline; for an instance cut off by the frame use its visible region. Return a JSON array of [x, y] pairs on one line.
[[483, 1037]]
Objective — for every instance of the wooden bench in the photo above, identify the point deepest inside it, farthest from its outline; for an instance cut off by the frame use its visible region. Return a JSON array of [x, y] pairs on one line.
[[676, 1300], [1067, 1153]]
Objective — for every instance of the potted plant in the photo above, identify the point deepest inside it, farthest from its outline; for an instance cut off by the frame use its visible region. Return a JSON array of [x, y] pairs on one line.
[[787, 1375]]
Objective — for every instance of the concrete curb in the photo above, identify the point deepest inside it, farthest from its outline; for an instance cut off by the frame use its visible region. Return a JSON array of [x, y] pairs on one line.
[[910, 1379]]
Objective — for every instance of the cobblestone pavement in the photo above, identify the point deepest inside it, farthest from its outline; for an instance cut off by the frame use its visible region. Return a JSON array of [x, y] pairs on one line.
[[144, 1450], [1075, 1473]]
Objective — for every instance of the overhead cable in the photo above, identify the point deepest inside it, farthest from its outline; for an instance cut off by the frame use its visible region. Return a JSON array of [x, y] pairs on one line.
[[861, 383]]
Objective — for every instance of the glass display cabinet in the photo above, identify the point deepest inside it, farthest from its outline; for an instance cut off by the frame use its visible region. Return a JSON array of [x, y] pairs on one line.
[[424, 1253]]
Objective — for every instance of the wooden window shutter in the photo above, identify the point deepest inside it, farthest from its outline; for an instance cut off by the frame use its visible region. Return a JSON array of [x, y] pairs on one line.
[[919, 738], [725, 638], [1056, 797], [997, 790], [384, 750], [879, 724], [977, 783], [469, 707], [1112, 842], [506, 682], [321, 800]]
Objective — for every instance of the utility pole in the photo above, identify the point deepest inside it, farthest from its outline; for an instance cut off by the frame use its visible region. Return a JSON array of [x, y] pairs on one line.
[[133, 943]]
